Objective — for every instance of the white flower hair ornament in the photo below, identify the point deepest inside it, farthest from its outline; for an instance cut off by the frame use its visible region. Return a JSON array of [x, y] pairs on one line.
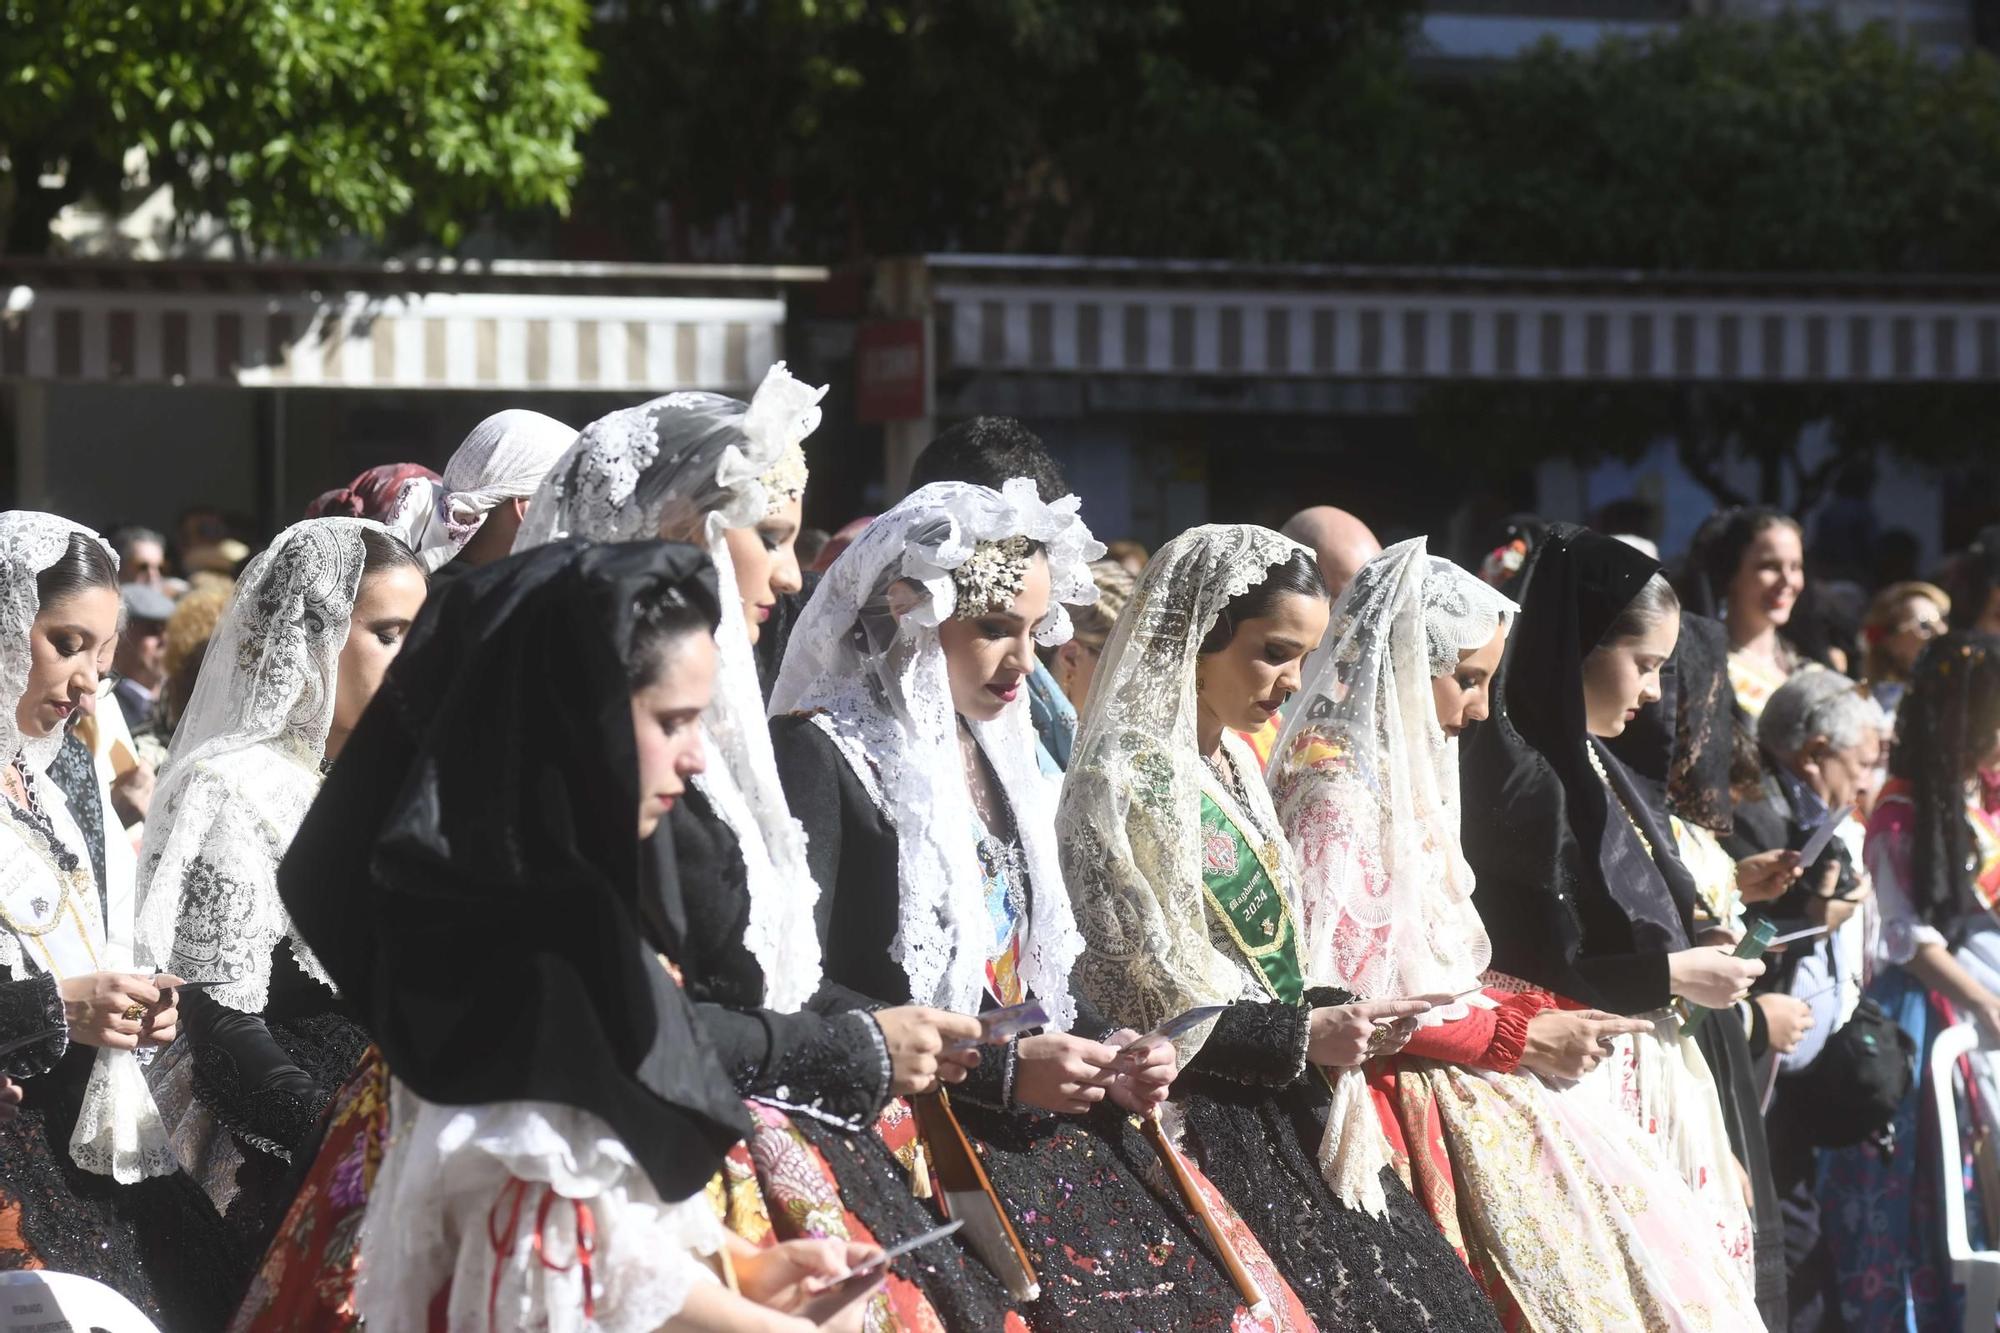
[[978, 560], [770, 467]]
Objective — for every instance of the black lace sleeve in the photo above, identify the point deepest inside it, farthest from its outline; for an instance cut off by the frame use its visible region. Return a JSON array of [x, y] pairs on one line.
[[833, 1068], [27, 1007], [991, 1083], [247, 1079], [1257, 1042]]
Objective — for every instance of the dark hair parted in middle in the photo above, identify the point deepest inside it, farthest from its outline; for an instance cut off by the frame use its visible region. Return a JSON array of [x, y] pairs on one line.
[[383, 550], [660, 620], [1653, 603], [84, 564], [1296, 575]]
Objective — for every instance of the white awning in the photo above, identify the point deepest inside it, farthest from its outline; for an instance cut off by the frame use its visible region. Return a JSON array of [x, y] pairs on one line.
[[295, 329], [1133, 318]]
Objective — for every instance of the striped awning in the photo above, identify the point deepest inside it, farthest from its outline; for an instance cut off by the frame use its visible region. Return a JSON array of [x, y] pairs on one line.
[[1131, 318], [585, 327]]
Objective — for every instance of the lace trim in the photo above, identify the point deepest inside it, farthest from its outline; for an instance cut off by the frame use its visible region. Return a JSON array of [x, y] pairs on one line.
[[781, 932], [211, 911]]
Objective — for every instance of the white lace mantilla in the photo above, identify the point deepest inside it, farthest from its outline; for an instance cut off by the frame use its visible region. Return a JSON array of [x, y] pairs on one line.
[[1366, 785], [881, 684], [490, 1200], [1131, 830], [245, 766], [51, 921], [224, 834], [663, 466], [1130, 819]]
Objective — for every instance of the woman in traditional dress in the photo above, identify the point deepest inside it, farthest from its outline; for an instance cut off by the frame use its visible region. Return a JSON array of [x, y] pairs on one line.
[[536, 1151], [730, 477], [316, 620], [1933, 853], [1578, 882], [1747, 568], [1564, 1209], [89, 1183], [1187, 897], [906, 748]]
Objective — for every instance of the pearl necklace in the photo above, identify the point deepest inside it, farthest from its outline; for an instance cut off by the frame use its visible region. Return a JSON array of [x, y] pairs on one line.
[[1590, 753]]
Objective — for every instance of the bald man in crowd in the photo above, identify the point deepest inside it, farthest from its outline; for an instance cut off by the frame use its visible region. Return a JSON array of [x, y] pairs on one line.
[[1342, 542]]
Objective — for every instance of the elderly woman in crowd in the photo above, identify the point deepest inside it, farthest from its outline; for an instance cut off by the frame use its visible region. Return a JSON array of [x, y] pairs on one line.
[[1822, 740]]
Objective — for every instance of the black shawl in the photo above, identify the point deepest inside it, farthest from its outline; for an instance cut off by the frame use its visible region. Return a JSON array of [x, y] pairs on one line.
[[1537, 819], [470, 873]]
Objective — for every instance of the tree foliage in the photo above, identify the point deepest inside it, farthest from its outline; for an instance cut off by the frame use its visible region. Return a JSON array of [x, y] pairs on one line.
[[834, 129], [1731, 146], [1739, 146], [296, 122]]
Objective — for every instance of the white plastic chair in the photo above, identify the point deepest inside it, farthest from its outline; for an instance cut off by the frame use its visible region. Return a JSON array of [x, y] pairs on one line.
[[38, 1299], [1978, 1270]]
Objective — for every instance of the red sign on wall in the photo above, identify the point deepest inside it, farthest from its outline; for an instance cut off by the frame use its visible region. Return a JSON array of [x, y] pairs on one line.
[[889, 371]]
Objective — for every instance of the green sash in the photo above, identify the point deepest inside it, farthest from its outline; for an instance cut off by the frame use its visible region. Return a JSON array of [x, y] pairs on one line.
[[1244, 892]]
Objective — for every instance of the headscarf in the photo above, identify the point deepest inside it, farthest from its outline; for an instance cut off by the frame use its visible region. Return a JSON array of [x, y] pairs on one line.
[[245, 765], [376, 494], [470, 875], [1366, 784], [698, 462], [1130, 819], [880, 689], [504, 458], [44, 879], [1535, 811]]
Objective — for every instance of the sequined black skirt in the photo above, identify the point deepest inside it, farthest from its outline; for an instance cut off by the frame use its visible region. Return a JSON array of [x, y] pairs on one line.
[[158, 1243], [1353, 1272], [1086, 1195]]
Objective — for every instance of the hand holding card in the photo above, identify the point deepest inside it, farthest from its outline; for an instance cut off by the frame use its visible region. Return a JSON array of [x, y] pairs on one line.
[[1173, 1029], [997, 1027], [865, 1277]]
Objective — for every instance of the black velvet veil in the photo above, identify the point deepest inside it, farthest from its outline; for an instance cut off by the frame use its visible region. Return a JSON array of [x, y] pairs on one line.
[[1536, 817], [1682, 746], [470, 873]]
